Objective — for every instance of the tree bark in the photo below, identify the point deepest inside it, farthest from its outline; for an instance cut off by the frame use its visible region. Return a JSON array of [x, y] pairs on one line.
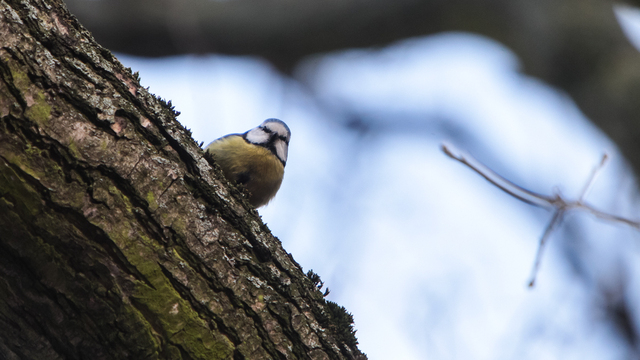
[[118, 239]]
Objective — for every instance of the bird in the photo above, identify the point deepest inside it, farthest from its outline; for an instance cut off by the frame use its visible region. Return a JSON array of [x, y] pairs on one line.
[[255, 159]]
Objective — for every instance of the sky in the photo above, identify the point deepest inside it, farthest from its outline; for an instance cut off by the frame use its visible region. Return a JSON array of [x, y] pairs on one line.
[[432, 261]]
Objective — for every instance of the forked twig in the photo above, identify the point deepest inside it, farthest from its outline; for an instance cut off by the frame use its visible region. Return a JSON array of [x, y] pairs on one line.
[[557, 202]]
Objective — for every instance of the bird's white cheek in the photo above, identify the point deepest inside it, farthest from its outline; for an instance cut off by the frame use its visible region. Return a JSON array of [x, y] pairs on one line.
[[282, 150], [257, 136]]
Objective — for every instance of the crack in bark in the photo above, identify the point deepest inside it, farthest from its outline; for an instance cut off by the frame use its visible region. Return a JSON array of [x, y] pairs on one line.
[[186, 294], [206, 274], [89, 230], [51, 298], [167, 188]]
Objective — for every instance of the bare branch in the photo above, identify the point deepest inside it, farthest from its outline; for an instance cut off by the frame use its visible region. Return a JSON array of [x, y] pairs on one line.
[[561, 205], [501, 183]]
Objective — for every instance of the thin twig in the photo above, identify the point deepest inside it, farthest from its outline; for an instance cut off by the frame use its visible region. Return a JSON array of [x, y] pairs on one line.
[[608, 217], [555, 221], [592, 177]]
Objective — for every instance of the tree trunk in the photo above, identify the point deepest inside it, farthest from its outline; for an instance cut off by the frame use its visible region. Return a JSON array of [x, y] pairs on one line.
[[117, 237]]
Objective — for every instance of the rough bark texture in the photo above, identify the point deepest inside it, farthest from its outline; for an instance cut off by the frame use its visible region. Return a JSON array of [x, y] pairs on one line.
[[117, 237], [576, 45]]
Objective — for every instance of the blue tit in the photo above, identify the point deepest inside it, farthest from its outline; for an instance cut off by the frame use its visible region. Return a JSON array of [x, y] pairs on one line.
[[255, 159]]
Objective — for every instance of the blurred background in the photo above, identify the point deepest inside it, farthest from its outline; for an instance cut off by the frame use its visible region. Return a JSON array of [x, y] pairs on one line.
[[432, 260]]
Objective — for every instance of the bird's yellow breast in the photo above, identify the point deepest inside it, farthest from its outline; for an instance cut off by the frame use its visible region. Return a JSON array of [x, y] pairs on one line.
[[253, 166]]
